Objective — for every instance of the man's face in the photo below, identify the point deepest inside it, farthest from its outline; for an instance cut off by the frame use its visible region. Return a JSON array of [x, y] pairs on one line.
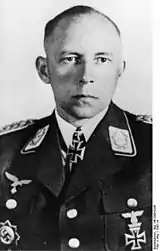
[[83, 59]]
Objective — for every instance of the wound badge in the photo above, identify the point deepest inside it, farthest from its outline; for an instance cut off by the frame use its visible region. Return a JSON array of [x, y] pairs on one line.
[[8, 233], [136, 236]]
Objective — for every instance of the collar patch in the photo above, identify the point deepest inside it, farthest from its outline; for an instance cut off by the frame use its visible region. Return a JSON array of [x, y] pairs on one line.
[[120, 140], [35, 141]]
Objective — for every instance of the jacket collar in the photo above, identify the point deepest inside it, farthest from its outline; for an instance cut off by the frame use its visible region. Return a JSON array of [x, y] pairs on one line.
[[43, 157], [116, 130]]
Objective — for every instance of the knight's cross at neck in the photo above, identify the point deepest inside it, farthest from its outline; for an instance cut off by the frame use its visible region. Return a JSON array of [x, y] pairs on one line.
[[76, 150]]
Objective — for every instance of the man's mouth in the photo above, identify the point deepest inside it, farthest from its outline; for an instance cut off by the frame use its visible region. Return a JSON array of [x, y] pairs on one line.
[[83, 96]]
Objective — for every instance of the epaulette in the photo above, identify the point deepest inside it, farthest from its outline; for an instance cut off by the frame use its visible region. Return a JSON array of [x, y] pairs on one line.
[[144, 118], [16, 126]]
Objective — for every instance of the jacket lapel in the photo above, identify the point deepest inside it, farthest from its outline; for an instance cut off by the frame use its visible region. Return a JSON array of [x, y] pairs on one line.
[[50, 170], [40, 157]]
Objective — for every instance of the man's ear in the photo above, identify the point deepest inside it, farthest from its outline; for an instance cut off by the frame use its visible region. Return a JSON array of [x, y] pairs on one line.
[[42, 69], [122, 68]]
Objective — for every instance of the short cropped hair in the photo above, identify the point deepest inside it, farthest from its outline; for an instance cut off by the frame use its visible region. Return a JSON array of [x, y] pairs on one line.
[[72, 12]]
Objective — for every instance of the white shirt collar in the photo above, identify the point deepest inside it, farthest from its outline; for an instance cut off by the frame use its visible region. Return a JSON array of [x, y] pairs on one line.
[[67, 129]]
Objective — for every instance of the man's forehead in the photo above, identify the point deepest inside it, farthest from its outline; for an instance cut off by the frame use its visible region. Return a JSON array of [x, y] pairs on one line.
[[82, 22]]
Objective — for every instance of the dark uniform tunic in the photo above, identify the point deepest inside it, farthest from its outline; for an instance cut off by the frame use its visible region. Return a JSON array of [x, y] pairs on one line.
[[107, 203]]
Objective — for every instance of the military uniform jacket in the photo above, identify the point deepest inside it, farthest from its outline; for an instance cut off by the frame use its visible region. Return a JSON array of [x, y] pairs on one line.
[[107, 203]]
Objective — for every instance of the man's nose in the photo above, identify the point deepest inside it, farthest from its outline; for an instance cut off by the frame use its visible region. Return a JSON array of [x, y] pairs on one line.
[[86, 76]]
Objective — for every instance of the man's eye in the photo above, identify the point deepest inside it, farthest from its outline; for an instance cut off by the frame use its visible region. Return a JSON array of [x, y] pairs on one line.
[[70, 60], [102, 60]]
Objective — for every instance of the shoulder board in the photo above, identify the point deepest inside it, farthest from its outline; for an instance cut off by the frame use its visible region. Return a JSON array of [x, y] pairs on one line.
[[144, 118], [16, 126]]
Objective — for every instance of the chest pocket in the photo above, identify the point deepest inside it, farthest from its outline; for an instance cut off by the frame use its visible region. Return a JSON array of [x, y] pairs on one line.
[[127, 213]]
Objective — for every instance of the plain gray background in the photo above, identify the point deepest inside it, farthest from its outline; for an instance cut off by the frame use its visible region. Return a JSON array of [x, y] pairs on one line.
[[23, 95]]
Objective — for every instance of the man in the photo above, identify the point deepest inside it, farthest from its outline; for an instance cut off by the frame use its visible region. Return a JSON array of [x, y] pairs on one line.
[[80, 178]]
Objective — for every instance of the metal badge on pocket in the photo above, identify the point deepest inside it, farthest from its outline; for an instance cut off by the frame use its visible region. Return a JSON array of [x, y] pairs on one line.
[[136, 237], [8, 233]]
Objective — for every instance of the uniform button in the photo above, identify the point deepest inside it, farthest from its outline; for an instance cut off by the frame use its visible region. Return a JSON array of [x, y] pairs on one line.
[[72, 213], [74, 243], [11, 204], [132, 202]]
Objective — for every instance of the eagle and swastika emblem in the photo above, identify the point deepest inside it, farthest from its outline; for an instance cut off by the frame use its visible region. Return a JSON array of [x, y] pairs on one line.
[[135, 238]]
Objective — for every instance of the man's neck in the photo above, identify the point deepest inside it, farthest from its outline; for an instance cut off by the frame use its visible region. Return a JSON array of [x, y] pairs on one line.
[[76, 122], [67, 129]]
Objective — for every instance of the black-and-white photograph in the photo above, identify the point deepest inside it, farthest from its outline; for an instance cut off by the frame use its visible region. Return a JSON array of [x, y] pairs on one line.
[[76, 126]]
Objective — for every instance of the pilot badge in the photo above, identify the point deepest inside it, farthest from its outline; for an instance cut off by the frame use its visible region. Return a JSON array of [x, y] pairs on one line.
[[136, 237], [8, 233]]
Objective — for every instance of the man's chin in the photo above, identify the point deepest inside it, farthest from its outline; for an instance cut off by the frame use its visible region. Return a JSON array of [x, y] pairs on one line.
[[84, 113]]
